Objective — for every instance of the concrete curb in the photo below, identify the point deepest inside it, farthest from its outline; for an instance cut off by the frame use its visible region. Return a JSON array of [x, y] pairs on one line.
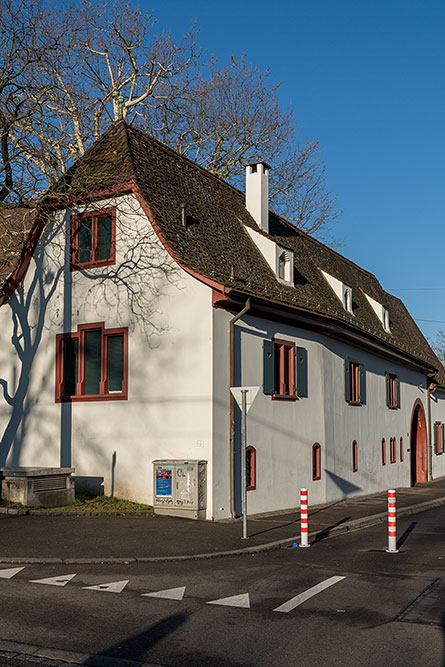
[[30, 512], [355, 524], [58, 656]]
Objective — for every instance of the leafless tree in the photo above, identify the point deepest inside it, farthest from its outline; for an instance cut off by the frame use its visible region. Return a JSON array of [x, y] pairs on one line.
[[85, 65]]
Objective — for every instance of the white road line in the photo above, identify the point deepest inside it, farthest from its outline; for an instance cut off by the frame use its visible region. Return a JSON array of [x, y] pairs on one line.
[[299, 599], [54, 581], [10, 572], [234, 601], [167, 594], [112, 587]]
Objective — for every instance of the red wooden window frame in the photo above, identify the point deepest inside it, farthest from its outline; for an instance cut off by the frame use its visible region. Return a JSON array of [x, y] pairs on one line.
[[401, 449], [79, 335], [354, 456], [438, 427], [251, 468], [285, 368], [316, 461], [76, 219], [383, 452], [392, 397], [392, 450], [354, 378]]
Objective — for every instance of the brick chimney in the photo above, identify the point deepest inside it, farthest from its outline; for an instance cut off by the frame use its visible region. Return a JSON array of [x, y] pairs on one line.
[[257, 193]]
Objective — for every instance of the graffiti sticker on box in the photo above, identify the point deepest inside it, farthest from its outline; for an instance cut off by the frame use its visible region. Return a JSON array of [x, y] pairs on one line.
[[164, 482]]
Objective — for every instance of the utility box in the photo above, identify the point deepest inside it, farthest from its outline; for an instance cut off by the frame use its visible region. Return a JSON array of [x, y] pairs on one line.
[[180, 488]]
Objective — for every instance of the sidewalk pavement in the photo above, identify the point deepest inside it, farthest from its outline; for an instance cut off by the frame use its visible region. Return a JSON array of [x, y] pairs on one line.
[[114, 539]]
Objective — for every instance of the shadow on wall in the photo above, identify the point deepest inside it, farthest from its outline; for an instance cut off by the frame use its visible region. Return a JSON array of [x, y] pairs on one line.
[[93, 485], [28, 312], [347, 488]]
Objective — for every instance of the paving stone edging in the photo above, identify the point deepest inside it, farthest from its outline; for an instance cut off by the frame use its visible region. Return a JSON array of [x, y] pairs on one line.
[[354, 524], [56, 657]]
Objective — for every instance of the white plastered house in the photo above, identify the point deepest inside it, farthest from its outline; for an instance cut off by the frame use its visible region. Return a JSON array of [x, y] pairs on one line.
[[146, 287]]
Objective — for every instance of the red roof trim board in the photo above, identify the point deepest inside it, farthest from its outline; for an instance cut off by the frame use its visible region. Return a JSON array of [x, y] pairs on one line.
[[22, 265]]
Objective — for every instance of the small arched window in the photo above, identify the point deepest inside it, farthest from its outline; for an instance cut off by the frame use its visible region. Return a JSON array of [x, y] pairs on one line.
[[251, 468], [383, 452], [392, 451], [354, 456], [316, 461], [282, 266]]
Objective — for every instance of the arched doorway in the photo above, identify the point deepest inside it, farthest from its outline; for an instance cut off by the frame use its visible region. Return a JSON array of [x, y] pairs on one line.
[[418, 445]]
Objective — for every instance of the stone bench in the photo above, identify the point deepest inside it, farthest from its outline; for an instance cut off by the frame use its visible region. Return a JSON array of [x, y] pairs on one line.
[[38, 487]]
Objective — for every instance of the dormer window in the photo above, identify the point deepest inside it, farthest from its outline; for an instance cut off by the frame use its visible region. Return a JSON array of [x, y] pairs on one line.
[[382, 312], [279, 259], [385, 319], [347, 298], [341, 290], [282, 266]]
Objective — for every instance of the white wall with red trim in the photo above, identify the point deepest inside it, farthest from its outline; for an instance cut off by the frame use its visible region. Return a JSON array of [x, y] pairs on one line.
[[168, 413]]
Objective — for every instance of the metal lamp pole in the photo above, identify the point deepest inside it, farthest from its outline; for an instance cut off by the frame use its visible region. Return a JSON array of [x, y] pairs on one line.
[[243, 460]]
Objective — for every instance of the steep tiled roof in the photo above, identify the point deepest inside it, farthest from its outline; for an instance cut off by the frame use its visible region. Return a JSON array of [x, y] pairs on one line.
[[217, 239]]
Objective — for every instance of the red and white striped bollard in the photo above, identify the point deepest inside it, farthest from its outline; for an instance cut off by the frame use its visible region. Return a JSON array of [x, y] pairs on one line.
[[392, 533], [304, 539]]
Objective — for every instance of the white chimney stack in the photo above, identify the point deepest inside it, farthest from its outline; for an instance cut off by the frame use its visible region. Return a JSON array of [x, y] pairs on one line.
[[257, 193]]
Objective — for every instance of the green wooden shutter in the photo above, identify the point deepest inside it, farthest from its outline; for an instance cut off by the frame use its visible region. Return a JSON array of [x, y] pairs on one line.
[[397, 391], [301, 372], [347, 381], [362, 384], [93, 361], [104, 237], [115, 363], [388, 395], [85, 240], [268, 367]]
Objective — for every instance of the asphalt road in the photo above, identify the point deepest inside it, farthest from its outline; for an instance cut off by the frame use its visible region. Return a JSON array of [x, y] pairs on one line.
[[344, 601]]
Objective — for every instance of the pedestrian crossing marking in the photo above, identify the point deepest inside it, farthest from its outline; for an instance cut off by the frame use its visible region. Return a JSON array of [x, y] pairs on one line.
[[54, 581], [242, 600], [302, 597], [112, 587], [167, 594], [10, 572]]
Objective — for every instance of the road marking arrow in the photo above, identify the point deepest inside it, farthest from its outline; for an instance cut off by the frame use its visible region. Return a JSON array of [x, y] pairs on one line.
[[10, 572], [299, 599], [234, 601], [54, 581], [112, 587], [168, 594]]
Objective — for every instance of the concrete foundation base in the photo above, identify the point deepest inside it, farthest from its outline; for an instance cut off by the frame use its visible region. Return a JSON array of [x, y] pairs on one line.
[[38, 487]]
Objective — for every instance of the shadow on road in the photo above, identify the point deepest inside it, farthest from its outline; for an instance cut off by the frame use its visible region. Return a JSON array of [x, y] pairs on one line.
[[326, 531], [137, 647], [405, 535]]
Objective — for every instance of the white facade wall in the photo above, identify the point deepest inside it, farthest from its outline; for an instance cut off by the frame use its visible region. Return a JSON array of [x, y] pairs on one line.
[[437, 415], [283, 432], [168, 413]]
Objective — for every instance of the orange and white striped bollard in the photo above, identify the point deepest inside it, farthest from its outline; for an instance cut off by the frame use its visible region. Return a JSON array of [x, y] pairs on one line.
[[392, 533], [304, 539]]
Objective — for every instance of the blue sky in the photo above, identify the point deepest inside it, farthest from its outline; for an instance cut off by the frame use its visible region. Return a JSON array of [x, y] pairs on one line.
[[367, 79]]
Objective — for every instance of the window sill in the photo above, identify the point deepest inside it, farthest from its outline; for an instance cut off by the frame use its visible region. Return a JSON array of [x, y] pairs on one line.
[[88, 399], [251, 488], [92, 265], [283, 397], [316, 479], [356, 403]]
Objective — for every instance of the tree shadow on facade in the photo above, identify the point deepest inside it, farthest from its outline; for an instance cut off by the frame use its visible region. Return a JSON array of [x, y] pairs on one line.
[[28, 312]]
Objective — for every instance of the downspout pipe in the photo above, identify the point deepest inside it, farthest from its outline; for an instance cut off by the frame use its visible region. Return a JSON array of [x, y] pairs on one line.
[[429, 391], [233, 321]]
